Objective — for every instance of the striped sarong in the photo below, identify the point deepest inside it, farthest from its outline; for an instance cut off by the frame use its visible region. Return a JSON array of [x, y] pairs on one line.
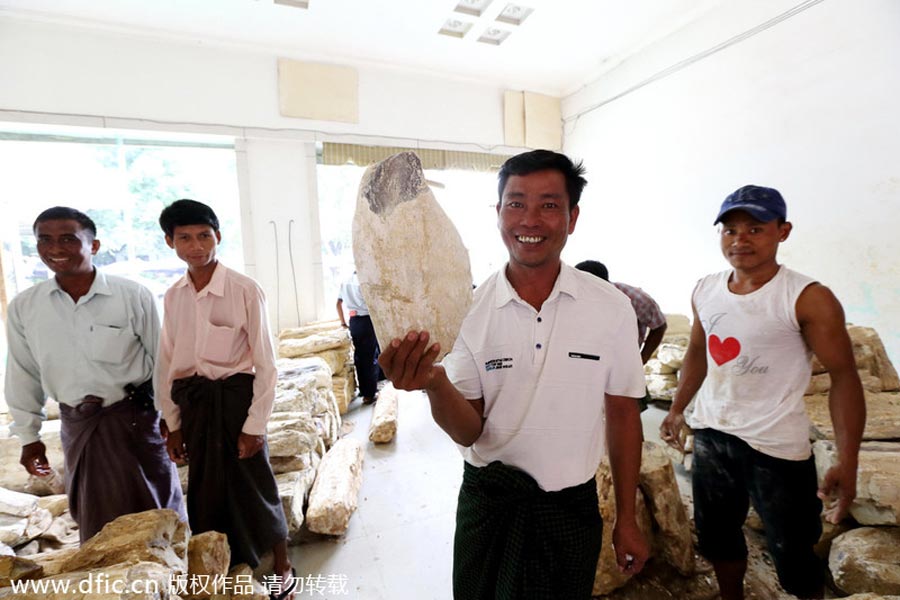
[[515, 541], [237, 497], [116, 462]]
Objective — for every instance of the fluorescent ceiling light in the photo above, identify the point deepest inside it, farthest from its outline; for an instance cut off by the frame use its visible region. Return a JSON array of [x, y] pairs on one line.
[[455, 28], [514, 14], [472, 7], [493, 35], [294, 3]]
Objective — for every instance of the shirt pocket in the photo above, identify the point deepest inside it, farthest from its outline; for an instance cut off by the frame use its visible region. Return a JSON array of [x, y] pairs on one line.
[[217, 347], [111, 344]]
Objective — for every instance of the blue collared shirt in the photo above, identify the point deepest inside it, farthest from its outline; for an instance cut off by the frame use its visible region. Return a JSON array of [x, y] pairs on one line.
[[68, 350]]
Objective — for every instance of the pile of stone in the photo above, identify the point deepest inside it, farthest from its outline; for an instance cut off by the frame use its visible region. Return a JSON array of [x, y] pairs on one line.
[[864, 552], [141, 556], [30, 524], [662, 369], [331, 342], [305, 424]]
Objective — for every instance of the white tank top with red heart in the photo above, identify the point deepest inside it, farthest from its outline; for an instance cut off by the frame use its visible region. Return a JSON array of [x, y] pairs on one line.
[[758, 364]]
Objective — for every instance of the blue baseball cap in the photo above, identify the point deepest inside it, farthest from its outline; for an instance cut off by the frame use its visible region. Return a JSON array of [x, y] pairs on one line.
[[764, 204]]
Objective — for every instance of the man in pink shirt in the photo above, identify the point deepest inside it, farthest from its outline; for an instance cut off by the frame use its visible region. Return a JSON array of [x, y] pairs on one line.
[[216, 378]]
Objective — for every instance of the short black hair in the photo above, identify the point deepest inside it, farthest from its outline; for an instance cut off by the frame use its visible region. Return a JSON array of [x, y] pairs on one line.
[[58, 213], [187, 212], [545, 160], [595, 268]]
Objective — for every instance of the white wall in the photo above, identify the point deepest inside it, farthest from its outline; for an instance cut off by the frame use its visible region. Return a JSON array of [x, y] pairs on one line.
[[64, 74], [808, 106]]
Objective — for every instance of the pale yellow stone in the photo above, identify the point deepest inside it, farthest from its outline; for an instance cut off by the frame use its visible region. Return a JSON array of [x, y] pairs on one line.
[[673, 533], [17, 504], [147, 536], [313, 344], [309, 329], [412, 265], [53, 562], [608, 576], [671, 355], [383, 427], [57, 504], [877, 492], [867, 560], [880, 365], [677, 325], [208, 557], [333, 498], [654, 367], [17, 568], [882, 419]]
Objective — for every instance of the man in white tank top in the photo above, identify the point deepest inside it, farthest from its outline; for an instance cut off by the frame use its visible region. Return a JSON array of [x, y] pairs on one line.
[[748, 362]]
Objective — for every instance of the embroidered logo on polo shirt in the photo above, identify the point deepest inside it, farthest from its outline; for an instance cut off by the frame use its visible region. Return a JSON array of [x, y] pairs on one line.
[[498, 363], [583, 355]]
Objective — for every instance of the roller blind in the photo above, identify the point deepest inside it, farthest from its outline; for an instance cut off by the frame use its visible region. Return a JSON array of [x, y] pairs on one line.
[[340, 154]]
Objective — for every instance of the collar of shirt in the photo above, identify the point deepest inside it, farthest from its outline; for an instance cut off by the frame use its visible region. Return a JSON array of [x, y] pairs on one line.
[[566, 283], [99, 286], [216, 285]]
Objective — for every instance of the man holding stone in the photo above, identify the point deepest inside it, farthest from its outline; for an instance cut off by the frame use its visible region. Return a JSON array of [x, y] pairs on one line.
[[89, 341], [541, 380]]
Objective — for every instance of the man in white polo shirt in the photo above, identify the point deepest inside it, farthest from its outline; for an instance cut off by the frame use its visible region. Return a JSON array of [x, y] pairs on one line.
[[540, 382]]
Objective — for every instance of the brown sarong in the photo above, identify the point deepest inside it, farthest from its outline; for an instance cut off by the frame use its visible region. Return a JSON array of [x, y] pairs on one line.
[[237, 497], [116, 462]]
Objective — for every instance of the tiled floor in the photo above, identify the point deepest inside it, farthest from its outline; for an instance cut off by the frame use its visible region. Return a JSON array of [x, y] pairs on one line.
[[400, 542]]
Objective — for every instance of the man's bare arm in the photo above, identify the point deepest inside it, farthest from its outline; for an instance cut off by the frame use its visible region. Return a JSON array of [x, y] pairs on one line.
[[822, 324], [690, 378], [624, 440]]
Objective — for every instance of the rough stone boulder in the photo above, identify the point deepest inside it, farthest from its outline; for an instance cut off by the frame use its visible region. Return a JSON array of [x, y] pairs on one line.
[[313, 344], [672, 531], [877, 492], [882, 418], [608, 577], [16, 568], [334, 495], [867, 560], [413, 268], [293, 488], [208, 557], [149, 536]]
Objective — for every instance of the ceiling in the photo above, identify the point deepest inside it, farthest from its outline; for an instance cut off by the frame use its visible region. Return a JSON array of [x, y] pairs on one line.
[[560, 46]]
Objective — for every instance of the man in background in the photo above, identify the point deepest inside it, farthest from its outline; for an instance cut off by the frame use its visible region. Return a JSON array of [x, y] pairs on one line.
[[365, 344]]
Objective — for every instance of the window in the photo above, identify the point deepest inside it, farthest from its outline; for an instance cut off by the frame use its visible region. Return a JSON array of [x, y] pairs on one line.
[[122, 180]]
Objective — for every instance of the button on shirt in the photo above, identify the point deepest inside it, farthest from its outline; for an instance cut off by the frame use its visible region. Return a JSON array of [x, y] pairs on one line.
[[68, 350], [220, 331], [544, 374]]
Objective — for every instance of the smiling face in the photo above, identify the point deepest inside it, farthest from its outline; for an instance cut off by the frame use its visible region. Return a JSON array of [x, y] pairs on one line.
[[195, 244], [66, 247], [749, 244], [535, 220]]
